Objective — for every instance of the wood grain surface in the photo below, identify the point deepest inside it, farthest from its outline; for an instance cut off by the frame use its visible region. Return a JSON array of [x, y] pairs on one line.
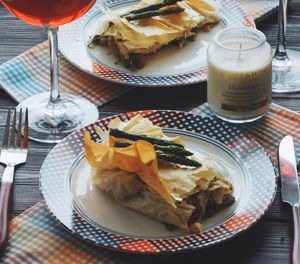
[[266, 242]]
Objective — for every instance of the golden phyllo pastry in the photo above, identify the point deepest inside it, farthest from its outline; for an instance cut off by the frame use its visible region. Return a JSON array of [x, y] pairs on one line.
[[147, 171], [152, 24]]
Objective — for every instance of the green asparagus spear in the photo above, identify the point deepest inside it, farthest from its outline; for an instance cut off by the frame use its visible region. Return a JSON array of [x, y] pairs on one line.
[[122, 134], [152, 7], [94, 40], [173, 150], [121, 144], [147, 14], [177, 159], [163, 155], [168, 149]]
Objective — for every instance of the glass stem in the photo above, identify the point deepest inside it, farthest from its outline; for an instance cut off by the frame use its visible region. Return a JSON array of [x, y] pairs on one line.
[[281, 59], [55, 111], [54, 79]]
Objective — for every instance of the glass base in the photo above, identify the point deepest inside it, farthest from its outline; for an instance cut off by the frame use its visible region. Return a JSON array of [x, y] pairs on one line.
[[238, 121], [76, 113], [287, 79]]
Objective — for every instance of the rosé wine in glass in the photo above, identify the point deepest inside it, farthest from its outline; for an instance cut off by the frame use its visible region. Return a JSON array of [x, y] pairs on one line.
[[53, 118], [48, 13]]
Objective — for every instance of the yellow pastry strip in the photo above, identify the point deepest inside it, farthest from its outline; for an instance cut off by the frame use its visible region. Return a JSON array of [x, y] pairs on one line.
[[139, 158]]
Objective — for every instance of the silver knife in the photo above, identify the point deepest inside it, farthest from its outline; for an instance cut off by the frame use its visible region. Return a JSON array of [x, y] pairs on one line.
[[290, 190]]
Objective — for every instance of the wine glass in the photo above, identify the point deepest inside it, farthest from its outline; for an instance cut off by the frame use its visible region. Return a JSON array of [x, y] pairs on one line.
[[52, 118], [286, 63]]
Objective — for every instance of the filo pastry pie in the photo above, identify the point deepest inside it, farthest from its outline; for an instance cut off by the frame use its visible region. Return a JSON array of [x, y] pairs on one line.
[[138, 178], [132, 40]]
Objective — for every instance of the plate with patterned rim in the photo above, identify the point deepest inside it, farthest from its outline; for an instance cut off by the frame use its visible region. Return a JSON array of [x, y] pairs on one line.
[[88, 213], [168, 67]]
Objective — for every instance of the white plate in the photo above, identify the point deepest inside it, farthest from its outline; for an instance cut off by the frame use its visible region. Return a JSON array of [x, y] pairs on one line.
[[92, 215], [115, 218], [169, 66]]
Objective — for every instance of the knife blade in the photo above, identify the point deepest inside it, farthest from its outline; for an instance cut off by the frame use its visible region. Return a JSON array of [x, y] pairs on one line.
[[288, 172], [290, 190]]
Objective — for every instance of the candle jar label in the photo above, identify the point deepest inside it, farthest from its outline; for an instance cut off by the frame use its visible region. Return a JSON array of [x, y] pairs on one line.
[[243, 92]]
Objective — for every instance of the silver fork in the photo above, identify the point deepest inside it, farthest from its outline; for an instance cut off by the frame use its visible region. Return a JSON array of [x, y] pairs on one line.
[[13, 153]]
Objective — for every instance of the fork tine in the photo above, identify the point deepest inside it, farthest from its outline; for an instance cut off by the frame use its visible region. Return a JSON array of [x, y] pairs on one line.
[[25, 142], [19, 129], [12, 137], [6, 131]]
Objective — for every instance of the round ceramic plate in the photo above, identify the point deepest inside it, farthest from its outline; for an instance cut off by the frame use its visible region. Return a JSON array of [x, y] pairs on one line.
[[169, 66], [89, 213]]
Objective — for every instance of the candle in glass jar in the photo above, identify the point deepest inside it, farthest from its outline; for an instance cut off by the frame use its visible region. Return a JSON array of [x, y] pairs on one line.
[[239, 75]]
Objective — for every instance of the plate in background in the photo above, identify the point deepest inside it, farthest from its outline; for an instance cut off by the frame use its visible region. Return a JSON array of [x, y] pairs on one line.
[[170, 66]]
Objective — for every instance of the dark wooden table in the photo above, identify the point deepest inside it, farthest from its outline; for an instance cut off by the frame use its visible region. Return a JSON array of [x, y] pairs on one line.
[[266, 242]]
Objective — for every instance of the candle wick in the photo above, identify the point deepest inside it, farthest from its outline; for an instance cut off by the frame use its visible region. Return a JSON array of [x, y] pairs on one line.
[[239, 53]]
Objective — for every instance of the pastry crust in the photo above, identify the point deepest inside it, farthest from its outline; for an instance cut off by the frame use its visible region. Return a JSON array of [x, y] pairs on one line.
[[173, 194], [132, 41]]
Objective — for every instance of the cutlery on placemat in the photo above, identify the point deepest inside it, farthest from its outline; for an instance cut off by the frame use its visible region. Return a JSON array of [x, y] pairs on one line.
[[14, 152], [290, 189]]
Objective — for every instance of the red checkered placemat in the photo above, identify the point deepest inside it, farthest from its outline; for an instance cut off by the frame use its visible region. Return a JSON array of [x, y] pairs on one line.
[[29, 74], [268, 130], [259, 9], [35, 237]]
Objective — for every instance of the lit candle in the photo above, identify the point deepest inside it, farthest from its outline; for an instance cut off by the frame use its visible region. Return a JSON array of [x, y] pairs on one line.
[[239, 79]]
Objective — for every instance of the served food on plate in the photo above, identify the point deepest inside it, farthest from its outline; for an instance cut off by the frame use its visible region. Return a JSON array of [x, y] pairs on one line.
[[145, 170], [152, 24]]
